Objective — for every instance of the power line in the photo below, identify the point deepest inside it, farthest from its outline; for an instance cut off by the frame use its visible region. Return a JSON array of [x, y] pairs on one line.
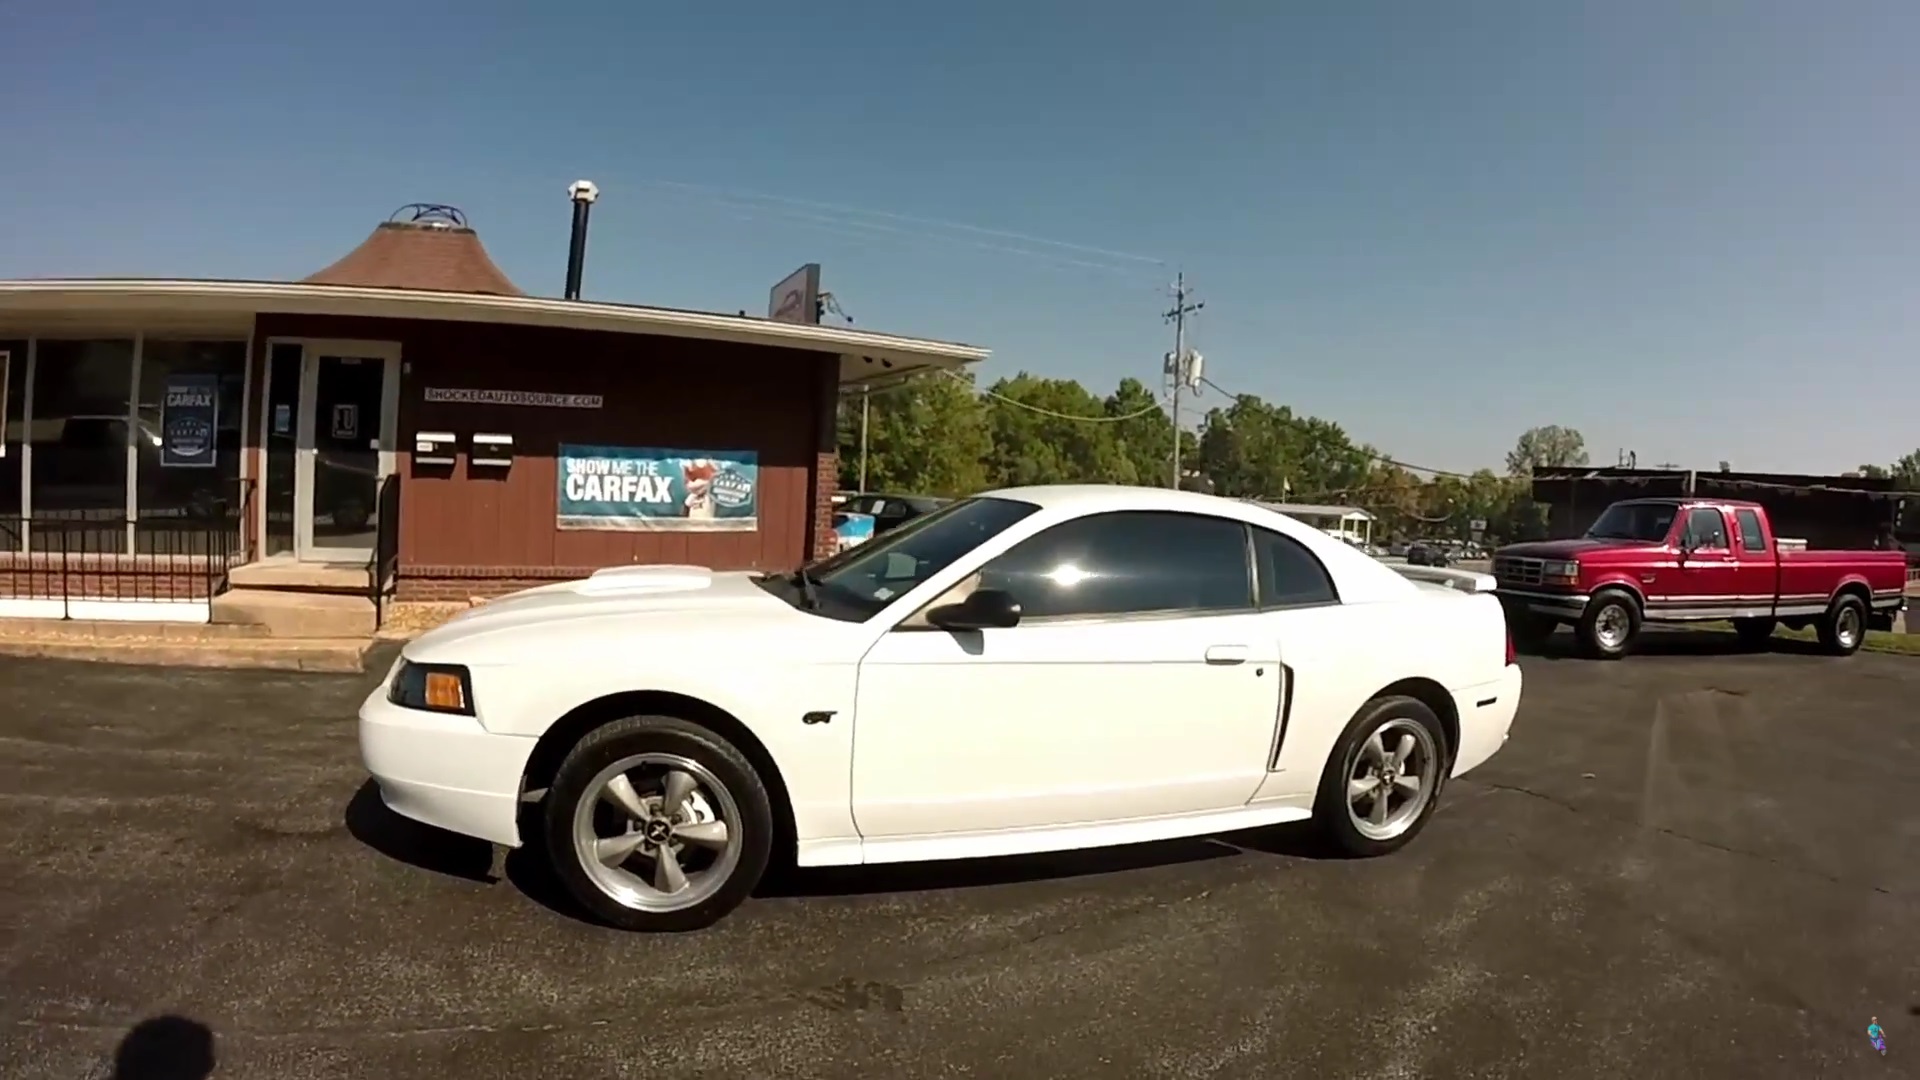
[[835, 208], [1017, 403]]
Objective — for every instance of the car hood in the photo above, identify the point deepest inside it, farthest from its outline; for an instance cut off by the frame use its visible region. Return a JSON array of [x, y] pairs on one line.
[[1569, 549], [676, 602]]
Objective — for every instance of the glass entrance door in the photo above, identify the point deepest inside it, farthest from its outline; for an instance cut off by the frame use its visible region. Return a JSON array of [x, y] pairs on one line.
[[348, 392]]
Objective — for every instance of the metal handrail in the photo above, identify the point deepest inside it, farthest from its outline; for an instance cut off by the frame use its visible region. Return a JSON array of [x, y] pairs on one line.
[[384, 565]]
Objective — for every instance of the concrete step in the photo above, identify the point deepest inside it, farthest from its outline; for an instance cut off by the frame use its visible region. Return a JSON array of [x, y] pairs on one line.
[[300, 577], [338, 655], [281, 614]]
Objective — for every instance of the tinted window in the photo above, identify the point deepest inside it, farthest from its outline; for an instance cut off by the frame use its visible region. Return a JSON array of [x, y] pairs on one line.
[[1127, 563], [1752, 536], [1289, 574], [1707, 528], [1649, 522]]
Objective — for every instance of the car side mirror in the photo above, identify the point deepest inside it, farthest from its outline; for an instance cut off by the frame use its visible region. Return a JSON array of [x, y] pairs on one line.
[[984, 609]]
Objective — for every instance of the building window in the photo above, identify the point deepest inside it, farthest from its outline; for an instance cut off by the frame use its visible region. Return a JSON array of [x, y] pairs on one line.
[[187, 451], [13, 463], [79, 436]]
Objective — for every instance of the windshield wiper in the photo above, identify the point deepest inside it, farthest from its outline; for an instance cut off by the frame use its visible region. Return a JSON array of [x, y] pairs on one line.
[[809, 589]]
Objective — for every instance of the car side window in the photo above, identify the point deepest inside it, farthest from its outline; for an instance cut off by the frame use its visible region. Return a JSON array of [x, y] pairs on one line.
[[1288, 574], [1753, 539], [1129, 562], [1707, 529]]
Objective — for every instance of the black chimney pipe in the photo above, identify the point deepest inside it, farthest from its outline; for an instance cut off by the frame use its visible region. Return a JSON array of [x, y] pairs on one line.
[[583, 193]]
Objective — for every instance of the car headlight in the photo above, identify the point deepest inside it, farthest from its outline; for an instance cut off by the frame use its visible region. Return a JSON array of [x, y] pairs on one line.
[[441, 688], [1563, 571]]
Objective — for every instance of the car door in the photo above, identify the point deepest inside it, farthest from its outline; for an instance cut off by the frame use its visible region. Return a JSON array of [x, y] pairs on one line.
[[1138, 684]]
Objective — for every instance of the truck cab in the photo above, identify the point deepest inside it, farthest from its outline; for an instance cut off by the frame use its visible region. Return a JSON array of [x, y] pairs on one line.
[[1693, 560]]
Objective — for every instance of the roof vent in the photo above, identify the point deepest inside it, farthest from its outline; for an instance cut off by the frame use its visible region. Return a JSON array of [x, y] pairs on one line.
[[425, 246]]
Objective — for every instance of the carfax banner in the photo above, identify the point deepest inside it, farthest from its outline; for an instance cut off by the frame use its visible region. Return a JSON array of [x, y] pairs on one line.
[[639, 489]]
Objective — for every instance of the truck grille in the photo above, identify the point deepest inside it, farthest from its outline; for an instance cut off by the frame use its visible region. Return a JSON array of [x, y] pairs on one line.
[[1514, 570]]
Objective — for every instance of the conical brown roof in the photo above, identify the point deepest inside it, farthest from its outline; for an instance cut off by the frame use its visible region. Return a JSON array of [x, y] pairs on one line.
[[421, 247]]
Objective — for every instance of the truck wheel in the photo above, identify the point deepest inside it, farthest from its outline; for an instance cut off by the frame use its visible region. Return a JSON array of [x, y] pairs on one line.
[[1753, 632], [1609, 625], [1844, 629]]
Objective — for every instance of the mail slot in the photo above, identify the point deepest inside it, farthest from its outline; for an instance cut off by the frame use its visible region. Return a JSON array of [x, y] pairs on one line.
[[433, 448], [491, 449]]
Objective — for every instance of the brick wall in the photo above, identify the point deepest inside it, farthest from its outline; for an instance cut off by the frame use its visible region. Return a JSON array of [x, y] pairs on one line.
[[429, 584], [826, 477], [103, 577]]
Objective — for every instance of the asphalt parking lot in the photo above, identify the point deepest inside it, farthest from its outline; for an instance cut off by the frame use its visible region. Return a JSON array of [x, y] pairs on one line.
[[1686, 864]]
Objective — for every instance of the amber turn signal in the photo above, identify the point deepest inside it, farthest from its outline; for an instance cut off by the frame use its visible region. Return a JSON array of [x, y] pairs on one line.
[[445, 691]]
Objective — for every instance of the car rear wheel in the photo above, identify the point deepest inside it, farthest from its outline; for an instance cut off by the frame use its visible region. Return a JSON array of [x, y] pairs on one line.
[[1844, 629], [1383, 781], [655, 823], [1609, 625]]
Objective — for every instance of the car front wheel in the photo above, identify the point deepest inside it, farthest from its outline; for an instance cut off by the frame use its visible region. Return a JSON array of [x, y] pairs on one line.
[[655, 823], [1383, 781]]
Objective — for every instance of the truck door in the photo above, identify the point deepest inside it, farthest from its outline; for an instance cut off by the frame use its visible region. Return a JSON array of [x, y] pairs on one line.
[[1756, 575], [1705, 585]]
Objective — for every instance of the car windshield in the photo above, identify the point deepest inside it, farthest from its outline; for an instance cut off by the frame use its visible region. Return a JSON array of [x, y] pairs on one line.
[[1648, 522], [873, 574]]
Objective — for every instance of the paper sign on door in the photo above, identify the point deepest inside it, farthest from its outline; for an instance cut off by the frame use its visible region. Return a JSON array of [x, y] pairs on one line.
[[346, 421]]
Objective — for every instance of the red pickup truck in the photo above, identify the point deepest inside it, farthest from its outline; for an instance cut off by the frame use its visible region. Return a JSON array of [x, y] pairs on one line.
[[1693, 560]]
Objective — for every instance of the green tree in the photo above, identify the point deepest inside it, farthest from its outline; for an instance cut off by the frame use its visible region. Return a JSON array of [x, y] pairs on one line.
[[1049, 431], [1548, 447], [928, 436], [1144, 441]]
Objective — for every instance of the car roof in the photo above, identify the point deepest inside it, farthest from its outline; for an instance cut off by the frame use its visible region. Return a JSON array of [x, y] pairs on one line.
[[1359, 576]]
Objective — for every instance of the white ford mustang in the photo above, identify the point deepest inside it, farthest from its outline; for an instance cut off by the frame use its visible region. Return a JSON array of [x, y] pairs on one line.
[[1034, 669]]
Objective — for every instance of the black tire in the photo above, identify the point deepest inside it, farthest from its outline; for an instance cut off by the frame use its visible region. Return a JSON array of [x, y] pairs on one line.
[[1597, 631], [1331, 807], [1753, 633], [605, 747], [1844, 628]]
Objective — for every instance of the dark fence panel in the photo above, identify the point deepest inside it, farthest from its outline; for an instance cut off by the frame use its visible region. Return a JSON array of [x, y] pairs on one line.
[[94, 556]]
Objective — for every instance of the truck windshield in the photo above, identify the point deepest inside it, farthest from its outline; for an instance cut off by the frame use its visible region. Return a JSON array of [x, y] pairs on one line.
[[1647, 522]]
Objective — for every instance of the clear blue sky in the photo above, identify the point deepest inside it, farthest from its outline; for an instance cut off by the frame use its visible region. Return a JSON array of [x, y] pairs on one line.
[[1684, 228]]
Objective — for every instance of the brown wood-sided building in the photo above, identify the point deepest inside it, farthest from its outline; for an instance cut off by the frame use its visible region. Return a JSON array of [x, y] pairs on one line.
[[408, 411]]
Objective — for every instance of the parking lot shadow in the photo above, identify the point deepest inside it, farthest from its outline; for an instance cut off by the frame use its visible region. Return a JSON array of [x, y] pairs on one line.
[[1297, 841], [1664, 641], [165, 1048], [369, 821], [528, 870]]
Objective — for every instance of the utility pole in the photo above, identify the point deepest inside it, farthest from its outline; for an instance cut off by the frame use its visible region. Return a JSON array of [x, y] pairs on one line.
[[1179, 361], [864, 391]]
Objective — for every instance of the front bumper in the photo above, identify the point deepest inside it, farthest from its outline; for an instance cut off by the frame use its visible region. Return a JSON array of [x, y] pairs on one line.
[[443, 770], [1567, 607]]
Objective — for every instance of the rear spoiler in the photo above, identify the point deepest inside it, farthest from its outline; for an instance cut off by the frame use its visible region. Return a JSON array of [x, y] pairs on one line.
[[1465, 581]]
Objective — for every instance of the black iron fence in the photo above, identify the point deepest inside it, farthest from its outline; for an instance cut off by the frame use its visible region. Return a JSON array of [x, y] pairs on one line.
[[385, 564], [61, 559]]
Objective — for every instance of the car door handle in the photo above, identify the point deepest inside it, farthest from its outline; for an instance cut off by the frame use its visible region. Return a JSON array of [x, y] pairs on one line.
[[1227, 654]]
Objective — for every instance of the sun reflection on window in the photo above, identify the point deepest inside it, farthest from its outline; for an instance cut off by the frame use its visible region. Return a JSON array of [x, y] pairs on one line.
[[1067, 575]]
